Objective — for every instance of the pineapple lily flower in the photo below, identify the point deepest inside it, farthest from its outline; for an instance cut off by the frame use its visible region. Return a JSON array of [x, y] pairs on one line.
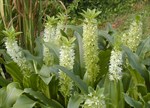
[[133, 36], [67, 57], [49, 36], [15, 51], [115, 67], [90, 46]]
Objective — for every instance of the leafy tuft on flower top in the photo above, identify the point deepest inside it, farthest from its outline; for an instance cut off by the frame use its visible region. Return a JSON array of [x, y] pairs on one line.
[[90, 15]]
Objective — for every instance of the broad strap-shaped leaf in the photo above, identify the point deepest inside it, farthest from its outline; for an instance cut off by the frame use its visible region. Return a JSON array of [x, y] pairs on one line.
[[82, 85], [146, 99], [138, 81], [31, 57], [54, 49], [14, 71], [79, 54], [43, 99], [107, 36], [11, 94], [39, 47], [24, 102], [76, 28], [143, 48], [132, 102], [45, 74], [135, 63], [113, 92], [4, 82], [104, 57]]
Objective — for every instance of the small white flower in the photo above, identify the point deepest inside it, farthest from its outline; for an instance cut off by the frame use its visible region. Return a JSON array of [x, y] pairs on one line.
[[115, 67], [94, 100]]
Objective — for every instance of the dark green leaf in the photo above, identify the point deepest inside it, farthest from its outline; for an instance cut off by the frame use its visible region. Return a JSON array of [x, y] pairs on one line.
[[83, 87], [43, 99], [107, 36], [136, 64], [14, 71], [75, 28], [3, 82], [79, 54]]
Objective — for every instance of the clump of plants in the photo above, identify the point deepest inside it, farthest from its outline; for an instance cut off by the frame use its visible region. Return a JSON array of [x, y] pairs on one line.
[[77, 66]]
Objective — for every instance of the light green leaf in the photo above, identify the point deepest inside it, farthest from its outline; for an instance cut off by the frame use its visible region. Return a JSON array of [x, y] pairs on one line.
[[53, 49], [135, 63], [75, 100], [147, 97], [138, 81], [45, 74], [43, 99], [24, 102], [11, 93], [132, 102], [107, 36], [143, 48], [77, 29], [82, 86]]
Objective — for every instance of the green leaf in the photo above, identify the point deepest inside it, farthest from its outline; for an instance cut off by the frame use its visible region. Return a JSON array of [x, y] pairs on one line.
[[53, 49], [136, 64], [24, 102], [39, 47], [107, 36], [2, 96], [75, 100], [132, 102], [11, 93], [146, 61], [43, 99], [13, 69], [138, 81], [77, 29], [104, 57], [82, 86], [79, 54], [64, 34], [147, 97], [31, 57], [113, 92], [45, 74], [143, 48], [3, 82]]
